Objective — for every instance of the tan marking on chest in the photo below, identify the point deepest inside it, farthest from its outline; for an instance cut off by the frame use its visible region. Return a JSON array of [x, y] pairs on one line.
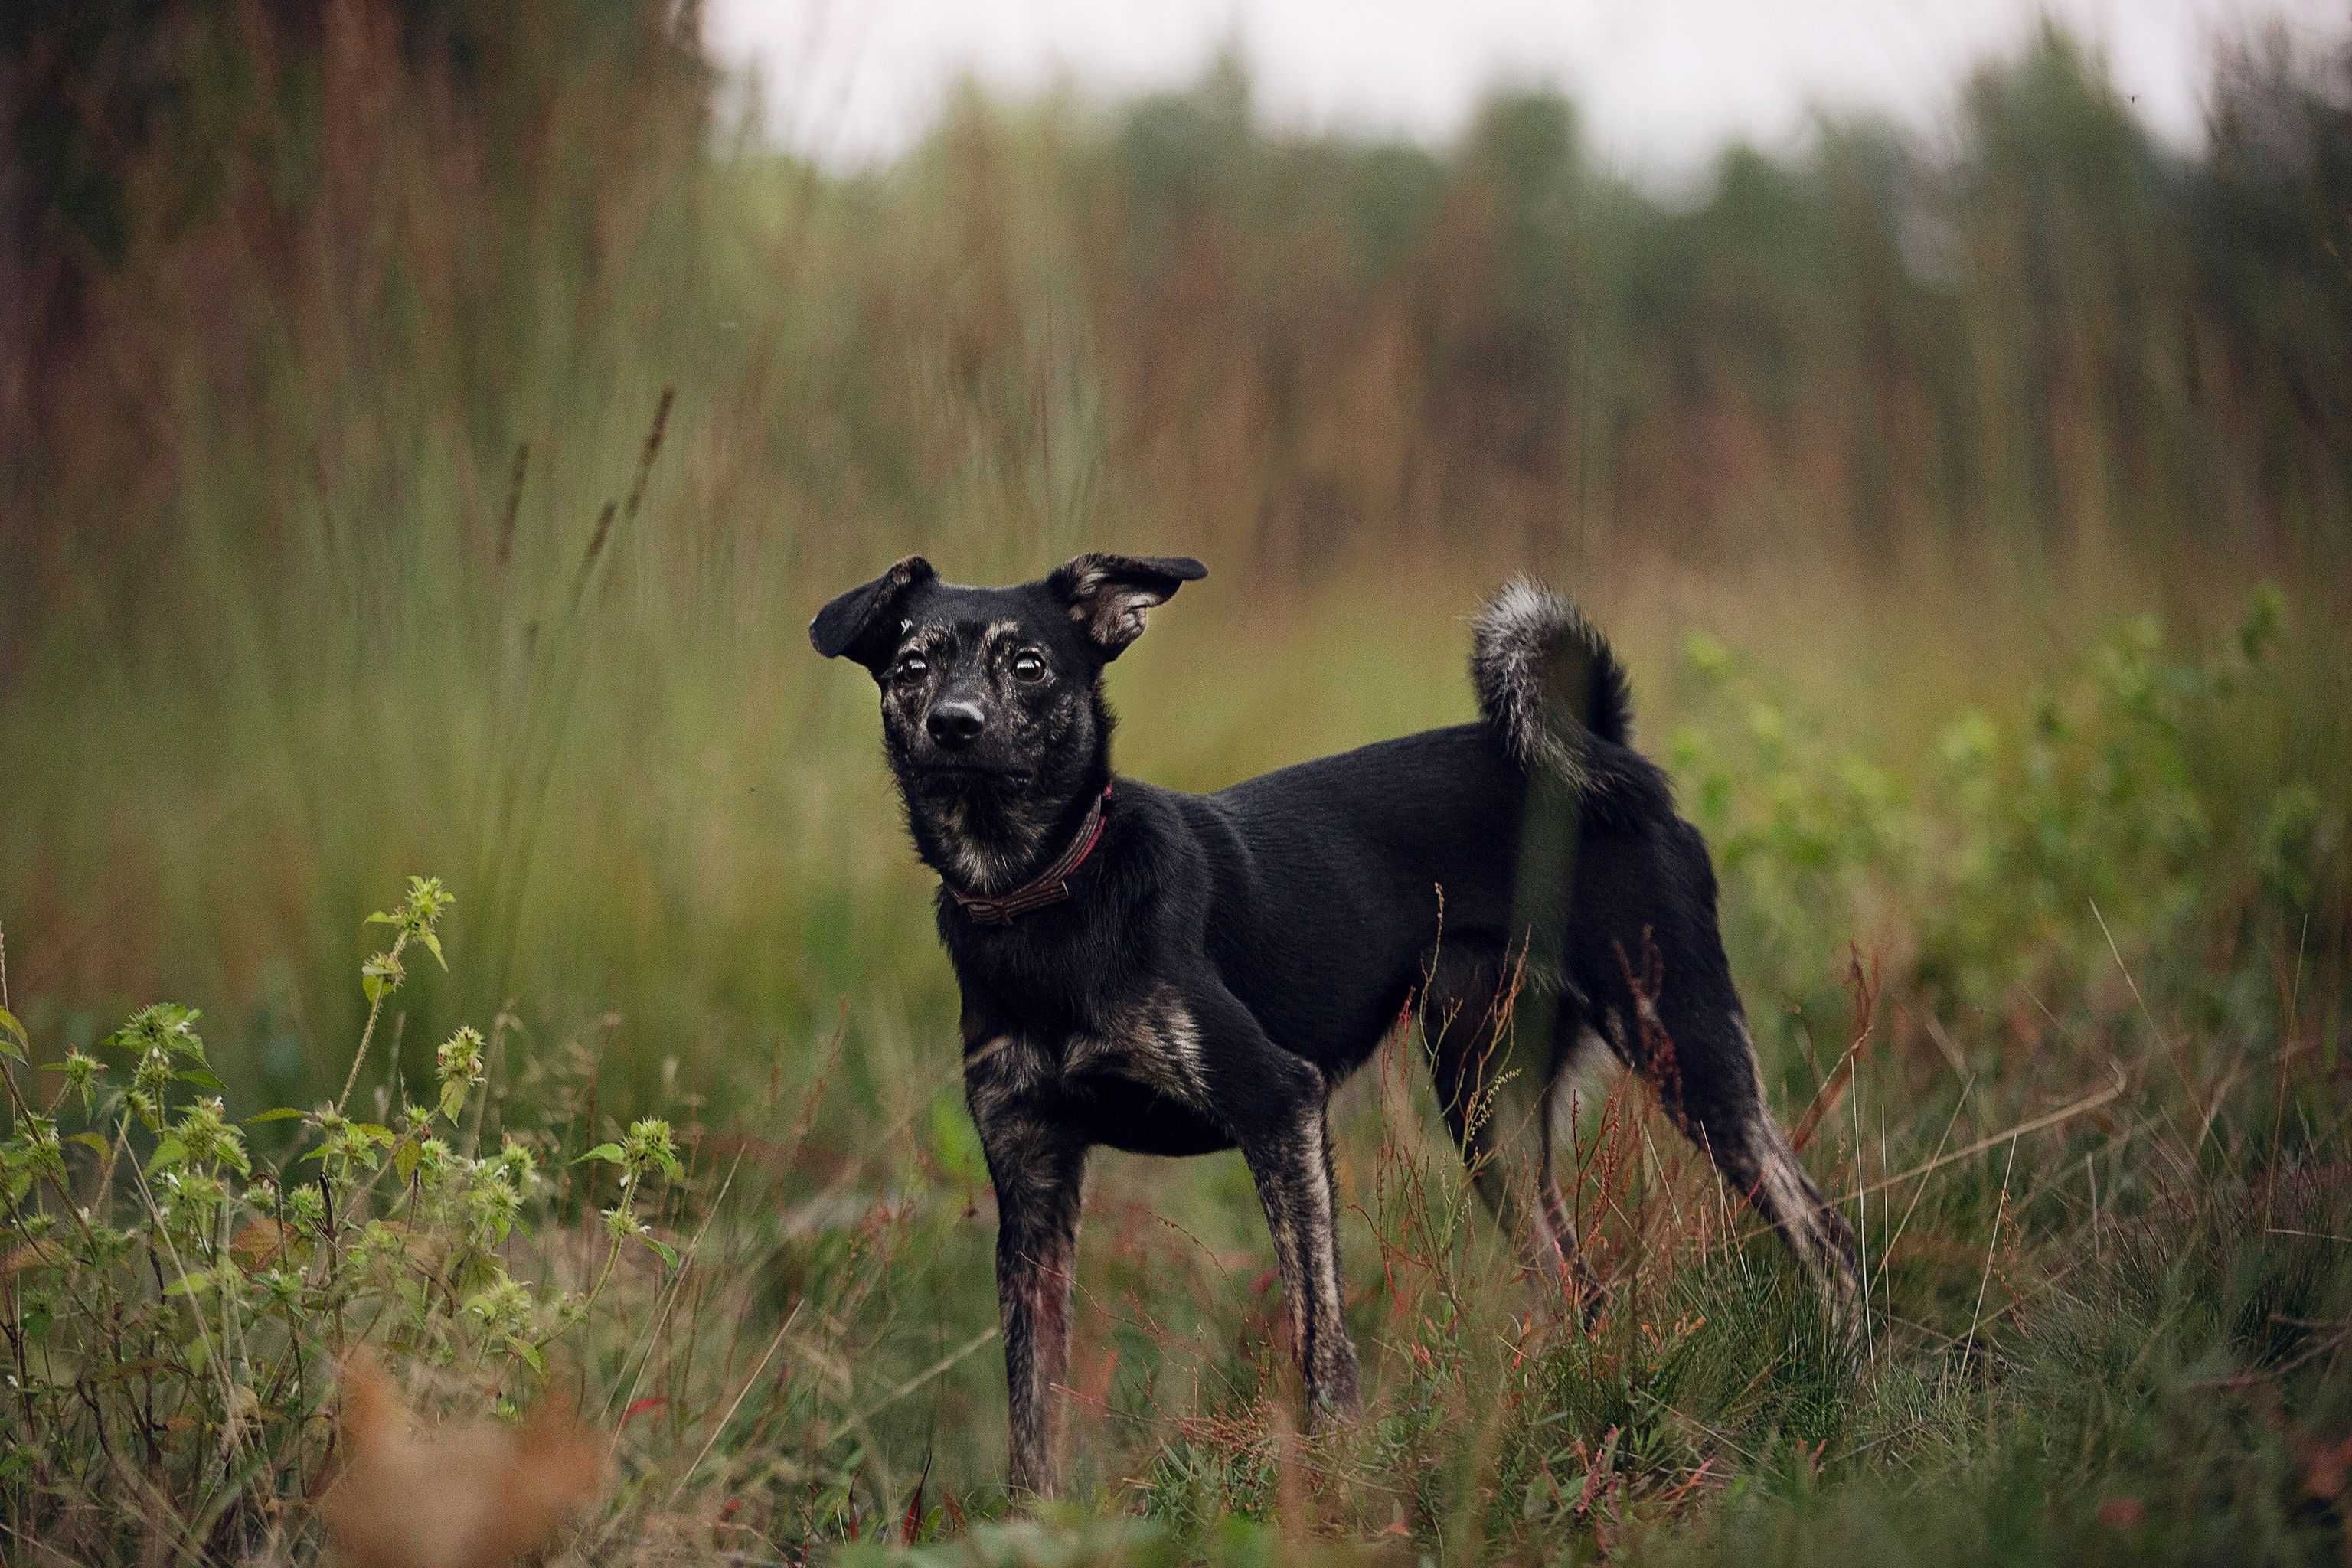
[[1155, 1043]]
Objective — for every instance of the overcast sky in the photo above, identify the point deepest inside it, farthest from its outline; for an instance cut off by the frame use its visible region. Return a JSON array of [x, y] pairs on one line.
[[1663, 83]]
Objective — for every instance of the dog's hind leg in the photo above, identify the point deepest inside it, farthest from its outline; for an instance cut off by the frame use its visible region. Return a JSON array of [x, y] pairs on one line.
[[1558, 1223], [1757, 1159], [1466, 1024], [1689, 1039], [1465, 1068]]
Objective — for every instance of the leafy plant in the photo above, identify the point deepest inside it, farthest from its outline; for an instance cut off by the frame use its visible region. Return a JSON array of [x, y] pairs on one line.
[[177, 1303]]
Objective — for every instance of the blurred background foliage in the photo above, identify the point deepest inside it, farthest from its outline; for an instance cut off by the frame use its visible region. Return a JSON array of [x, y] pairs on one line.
[[1932, 485]]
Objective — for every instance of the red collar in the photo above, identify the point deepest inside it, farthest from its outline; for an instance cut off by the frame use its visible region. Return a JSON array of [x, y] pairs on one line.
[[1052, 886]]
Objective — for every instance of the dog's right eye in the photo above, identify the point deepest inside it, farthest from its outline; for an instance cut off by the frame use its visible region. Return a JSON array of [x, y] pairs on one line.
[[914, 667]]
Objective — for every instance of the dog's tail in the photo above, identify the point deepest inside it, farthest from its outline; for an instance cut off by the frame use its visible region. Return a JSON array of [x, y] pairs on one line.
[[1547, 681]]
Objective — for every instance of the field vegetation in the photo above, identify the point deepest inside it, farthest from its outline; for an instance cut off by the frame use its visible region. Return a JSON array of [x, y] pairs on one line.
[[427, 429]]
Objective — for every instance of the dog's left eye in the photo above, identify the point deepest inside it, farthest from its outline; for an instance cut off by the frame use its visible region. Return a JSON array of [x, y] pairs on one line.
[[1028, 666]]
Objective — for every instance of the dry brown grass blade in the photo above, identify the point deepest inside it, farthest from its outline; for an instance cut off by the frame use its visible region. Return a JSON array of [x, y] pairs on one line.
[[514, 505], [2047, 1119], [1833, 1089], [938, 1368], [2170, 1051], [1992, 1244], [735, 1405], [650, 450]]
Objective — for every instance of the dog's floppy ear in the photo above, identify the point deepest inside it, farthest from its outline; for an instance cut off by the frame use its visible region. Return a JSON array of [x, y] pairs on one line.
[[1107, 594], [857, 623]]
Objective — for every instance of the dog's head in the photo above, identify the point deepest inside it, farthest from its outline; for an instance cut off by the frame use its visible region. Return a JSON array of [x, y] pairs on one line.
[[991, 697]]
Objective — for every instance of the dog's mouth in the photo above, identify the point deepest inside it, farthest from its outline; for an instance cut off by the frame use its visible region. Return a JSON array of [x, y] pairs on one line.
[[963, 774]]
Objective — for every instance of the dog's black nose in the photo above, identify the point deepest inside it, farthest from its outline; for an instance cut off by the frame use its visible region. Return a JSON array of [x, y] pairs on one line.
[[954, 723]]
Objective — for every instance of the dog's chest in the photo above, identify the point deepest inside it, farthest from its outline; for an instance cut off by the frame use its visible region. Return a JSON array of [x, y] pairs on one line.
[[1154, 1042]]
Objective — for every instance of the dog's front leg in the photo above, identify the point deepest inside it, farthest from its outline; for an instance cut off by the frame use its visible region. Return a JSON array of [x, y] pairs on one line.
[[1289, 1157], [1038, 1170]]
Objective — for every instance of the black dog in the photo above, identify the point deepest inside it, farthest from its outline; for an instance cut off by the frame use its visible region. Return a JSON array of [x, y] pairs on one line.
[[1174, 973]]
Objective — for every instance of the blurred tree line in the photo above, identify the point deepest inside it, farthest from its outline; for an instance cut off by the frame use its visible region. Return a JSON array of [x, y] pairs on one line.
[[134, 120], [353, 256]]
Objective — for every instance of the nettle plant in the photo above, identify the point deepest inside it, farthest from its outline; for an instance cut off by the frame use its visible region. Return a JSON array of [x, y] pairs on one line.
[[176, 1310]]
